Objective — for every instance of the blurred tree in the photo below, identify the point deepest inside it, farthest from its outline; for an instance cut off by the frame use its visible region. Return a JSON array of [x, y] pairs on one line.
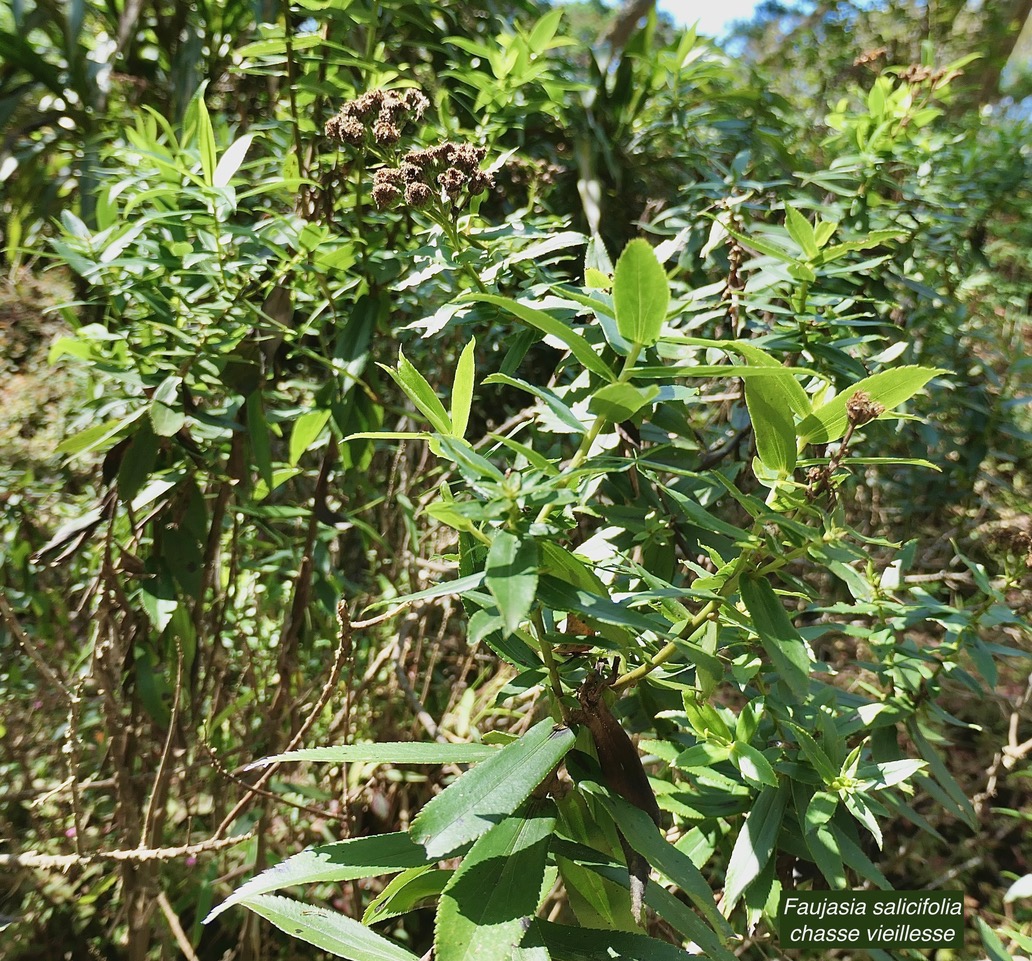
[[814, 48]]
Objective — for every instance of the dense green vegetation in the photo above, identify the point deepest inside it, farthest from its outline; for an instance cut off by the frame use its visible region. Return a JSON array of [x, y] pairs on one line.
[[429, 397]]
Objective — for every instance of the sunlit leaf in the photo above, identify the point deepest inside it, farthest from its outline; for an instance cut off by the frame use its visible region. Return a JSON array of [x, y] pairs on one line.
[[491, 791], [641, 293]]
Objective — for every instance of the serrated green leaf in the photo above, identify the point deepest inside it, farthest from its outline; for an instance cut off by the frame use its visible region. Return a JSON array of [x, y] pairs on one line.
[[492, 790], [820, 842], [961, 804], [596, 257], [801, 232], [784, 645], [861, 810], [512, 577], [823, 231], [991, 942], [854, 857], [814, 753], [568, 943], [412, 889], [595, 901], [462, 388], [770, 410], [762, 246], [755, 844], [645, 838], [340, 935], [554, 404], [890, 388], [550, 325], [340, 861], [469, 583], [641, 293], [474, 466], [561, 596], [874, 239], [888, 773], [821, 809], [422, 395], [488, 899], [382, 752]]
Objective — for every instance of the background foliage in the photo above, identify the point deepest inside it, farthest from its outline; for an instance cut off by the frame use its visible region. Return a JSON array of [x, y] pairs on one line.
[[244, 382]]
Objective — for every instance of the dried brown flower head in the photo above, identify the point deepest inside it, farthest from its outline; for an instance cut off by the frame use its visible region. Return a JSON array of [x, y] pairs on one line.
[[418, 195], [860, 409], [381, 114], [448, 171], [384, 195], [870, 56]]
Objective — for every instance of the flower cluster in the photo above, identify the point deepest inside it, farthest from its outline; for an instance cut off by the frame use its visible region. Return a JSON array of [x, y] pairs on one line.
[[379, 115], [449, 172]]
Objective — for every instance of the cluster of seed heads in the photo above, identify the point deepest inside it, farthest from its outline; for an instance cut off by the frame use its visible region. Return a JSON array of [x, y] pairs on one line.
[[449, 172], [378, 116]]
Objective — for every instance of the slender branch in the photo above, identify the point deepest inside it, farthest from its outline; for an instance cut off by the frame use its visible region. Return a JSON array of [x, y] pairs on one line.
[[343, 653], [30, 859], [176, 927]]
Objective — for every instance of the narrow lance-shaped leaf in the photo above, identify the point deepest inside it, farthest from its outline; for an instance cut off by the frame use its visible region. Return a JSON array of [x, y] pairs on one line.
[[229, 163], [261, 444], [329, 930], [340, 861], [643, 835], [801, 232], [641, 293], [376, 752], [994, 947], [784, 645], [166, 410], [619, 402], [568, 943], [554, 327], [755, 845], [420, 393], [306, 429], [561, 410], [205, 140], [512, 576], [411, 889], [786, 376], [491, 791], [462, 388], [888, 389], [773, 425]]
